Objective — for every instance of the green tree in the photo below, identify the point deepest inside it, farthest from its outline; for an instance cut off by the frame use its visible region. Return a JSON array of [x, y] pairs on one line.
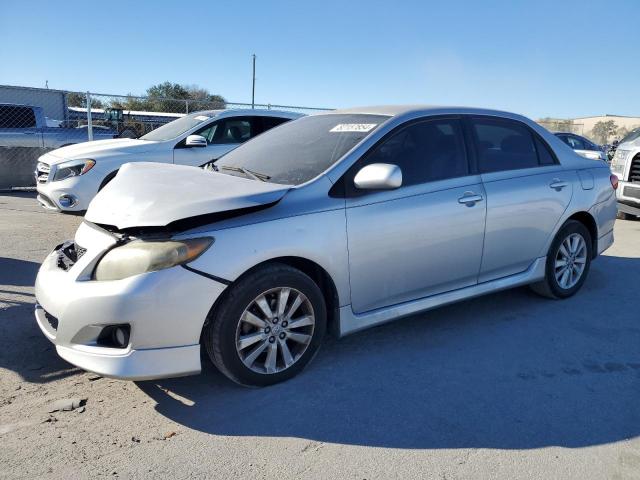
[[602, 130], [201, 99], [173, 97], [130, 103], [75, 99]]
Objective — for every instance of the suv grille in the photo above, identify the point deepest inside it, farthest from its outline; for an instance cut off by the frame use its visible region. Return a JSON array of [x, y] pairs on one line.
[[634, 171], [42, 172]]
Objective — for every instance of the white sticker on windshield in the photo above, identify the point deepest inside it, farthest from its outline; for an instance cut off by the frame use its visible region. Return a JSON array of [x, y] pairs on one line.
[[353, 127], [202, 118]]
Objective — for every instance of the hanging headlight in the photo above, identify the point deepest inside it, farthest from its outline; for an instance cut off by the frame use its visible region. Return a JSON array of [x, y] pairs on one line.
[[140, 257]]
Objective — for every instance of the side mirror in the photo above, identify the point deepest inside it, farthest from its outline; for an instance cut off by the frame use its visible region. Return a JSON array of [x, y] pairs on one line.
[[195, 141], [378, 176]]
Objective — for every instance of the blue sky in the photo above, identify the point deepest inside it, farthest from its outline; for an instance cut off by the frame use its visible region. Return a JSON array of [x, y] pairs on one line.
[[541, 58]]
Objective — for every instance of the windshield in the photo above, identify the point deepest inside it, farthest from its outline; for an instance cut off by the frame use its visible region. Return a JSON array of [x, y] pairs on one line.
[[631, 136], [298, 151], [176, 128]]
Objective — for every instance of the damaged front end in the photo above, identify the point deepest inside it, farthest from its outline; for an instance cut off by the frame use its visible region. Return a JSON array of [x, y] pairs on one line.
[[159, 198]]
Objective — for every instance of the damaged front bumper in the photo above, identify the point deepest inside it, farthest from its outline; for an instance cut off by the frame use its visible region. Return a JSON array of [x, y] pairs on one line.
[[164, 310]]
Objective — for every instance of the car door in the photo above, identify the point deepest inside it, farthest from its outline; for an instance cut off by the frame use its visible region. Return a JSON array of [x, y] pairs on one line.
[[527, 192], [425, 237], [222, 136]]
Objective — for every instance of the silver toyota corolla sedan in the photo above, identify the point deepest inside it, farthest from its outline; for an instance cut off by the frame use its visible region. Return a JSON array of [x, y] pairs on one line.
[[333, 222]]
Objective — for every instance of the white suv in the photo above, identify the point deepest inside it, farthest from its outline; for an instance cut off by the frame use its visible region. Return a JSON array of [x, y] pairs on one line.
[[69, 177], [626, 166]]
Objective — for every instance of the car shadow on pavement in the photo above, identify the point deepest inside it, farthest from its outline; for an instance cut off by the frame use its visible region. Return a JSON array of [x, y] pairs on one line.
[[17, 272], [23, 347], [509, 370]]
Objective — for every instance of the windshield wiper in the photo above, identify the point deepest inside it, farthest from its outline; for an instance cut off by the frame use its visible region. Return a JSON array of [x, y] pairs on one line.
[[248, 173]]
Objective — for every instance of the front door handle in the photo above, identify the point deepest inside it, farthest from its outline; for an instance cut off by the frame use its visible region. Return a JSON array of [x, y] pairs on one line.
[[470, 199], [557, 184]]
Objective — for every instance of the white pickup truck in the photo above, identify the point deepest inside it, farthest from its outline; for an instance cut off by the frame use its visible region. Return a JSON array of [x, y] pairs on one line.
[[25, 134], [626, 166], [68, 178]]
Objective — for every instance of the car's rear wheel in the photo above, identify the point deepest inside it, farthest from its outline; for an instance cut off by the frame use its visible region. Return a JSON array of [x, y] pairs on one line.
[[568, 262], [267, 327]]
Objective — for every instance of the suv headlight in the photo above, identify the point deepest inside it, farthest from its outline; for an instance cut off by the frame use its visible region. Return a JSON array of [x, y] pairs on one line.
[[619, 159], [73, 168], [141, 256]]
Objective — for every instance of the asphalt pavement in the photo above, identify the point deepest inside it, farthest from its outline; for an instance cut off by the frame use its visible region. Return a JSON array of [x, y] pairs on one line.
[[506, 386]]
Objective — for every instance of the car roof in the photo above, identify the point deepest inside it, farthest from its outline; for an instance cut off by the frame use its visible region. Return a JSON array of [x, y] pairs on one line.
[[398, 110], [255, 112]]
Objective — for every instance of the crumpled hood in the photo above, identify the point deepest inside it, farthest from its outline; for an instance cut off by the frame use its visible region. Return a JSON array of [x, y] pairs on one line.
[[99, 147], [147, 194]]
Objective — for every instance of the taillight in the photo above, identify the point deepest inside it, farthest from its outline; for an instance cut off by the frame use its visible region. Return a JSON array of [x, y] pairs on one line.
[[614, 181]]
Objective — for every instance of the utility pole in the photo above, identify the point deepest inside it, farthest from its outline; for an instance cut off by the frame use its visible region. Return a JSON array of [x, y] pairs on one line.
[[253, 85]]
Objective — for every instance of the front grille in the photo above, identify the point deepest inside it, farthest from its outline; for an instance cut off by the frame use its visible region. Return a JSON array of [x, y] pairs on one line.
[[42, 172], [634, 171], [68, 254], [631, 192]]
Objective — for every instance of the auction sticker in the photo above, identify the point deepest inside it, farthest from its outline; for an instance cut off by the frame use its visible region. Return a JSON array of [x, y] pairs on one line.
[[353, 127]]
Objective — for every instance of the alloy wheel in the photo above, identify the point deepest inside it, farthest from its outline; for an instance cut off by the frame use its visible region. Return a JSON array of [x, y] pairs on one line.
[[275, 330], [570, 261]]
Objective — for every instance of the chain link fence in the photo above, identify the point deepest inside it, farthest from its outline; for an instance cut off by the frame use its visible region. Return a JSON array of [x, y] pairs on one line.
[[34, 121]]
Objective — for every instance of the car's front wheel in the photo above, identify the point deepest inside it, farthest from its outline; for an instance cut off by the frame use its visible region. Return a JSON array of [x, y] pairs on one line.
[[267, 327], [568, 262]]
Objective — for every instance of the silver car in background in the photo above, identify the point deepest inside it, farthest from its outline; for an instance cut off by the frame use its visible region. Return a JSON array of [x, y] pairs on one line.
[[337, 221], [583, 146]]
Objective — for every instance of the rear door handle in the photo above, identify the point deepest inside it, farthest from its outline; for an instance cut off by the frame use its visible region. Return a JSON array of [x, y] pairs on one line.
[[470, 199], [557, 184]]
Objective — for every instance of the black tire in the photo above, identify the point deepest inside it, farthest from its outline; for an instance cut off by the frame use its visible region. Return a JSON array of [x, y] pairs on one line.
[[219, 335], [549, 287], [107, 179]]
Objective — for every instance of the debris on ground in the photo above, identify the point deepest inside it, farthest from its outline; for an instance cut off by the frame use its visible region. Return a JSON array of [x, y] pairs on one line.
[[94, 377], [169, 435], [67, 404]]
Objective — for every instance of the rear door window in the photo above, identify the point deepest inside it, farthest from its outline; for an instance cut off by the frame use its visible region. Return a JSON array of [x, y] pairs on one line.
[[12, 116], [503, 145], [269, 122], [576, 143]]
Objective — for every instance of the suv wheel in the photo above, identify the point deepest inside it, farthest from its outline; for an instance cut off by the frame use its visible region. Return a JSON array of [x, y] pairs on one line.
[[625, 216], [568, 262], [268, 326]]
